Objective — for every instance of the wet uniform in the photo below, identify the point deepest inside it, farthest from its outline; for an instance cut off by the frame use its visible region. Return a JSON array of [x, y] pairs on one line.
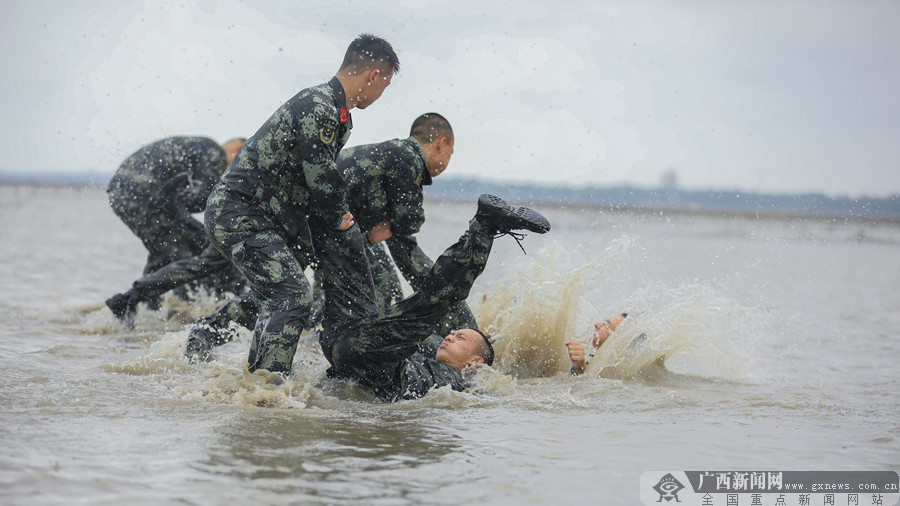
[[281, 197], [157, 188], [384, 182]]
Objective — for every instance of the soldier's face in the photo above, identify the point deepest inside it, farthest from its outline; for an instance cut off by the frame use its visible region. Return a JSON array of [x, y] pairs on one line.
[[441, 157], [378, 80], [460, 348], [603, 329]]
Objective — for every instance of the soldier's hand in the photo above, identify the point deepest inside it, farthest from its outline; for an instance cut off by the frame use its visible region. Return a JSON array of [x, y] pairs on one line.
[[346, 222], [381, 232], [576, 355]]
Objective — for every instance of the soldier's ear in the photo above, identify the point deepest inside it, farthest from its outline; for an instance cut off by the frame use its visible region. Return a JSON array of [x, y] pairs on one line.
[[372, 74]]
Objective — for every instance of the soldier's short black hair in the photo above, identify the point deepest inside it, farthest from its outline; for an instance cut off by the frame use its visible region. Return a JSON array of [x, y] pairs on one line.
[[488, 354], [367, 51], [430, 127]]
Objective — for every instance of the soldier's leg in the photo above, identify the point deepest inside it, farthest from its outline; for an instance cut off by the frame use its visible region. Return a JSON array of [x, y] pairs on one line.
[[387, 283], [285, 298], [178, 273], [142, 224], [275, 277], [273, 272], [443, 288], [415, 265], [453, 274], [222, 283], [459, 316], [342, 270]]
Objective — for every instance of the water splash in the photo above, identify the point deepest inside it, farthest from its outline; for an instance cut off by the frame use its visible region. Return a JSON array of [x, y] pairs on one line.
[[689, 328], [532, 315]]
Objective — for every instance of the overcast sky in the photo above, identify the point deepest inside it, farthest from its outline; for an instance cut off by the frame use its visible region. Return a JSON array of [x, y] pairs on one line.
[[775, 96]]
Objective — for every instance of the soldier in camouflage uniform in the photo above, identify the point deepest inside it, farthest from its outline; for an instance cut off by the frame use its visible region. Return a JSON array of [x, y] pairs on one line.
[[393, 352], [155, 201], [283, 197], [156, 189], [384, 191], [384, 183]]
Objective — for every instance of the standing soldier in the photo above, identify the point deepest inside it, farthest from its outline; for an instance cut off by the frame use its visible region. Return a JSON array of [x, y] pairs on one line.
[[156, 189], [283, 195]]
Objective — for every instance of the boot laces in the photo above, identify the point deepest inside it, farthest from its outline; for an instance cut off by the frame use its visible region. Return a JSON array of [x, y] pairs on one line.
[[515, 235]]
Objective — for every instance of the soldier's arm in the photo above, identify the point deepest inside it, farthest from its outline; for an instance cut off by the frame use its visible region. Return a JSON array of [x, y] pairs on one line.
[[413, 263], [365, 196], [404, 194], [209, 165], [316, 153]]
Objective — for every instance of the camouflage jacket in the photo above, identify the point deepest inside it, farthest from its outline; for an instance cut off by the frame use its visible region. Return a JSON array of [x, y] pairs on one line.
[[286, 171], [421, 372], [176, 171], [384, 181]]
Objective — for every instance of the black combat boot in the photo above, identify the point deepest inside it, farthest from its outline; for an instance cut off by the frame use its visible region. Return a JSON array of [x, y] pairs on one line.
[[204, 335], [199, 344], [124, 307], [495, 214]]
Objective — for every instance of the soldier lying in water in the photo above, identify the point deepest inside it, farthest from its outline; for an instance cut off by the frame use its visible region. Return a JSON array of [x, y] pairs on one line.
[[392, 351], [602, 331]]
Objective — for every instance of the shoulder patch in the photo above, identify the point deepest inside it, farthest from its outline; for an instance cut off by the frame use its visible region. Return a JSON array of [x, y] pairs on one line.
[[327, 133]]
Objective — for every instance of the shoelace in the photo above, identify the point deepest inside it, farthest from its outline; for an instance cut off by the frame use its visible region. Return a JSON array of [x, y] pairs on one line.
[[518, 237]]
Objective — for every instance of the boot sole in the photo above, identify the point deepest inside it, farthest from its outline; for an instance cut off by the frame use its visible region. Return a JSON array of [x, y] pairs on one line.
[[518, 217]]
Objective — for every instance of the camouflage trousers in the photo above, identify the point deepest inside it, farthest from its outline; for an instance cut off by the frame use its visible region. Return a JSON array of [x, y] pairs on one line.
[[387, 283], [167, 236], [208, 270], [415, 266], [274, 270], [388, 290], [354, 341]]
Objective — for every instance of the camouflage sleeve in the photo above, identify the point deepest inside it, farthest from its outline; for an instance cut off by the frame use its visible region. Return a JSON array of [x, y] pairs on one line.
[[365, 196], [209, 165], [413, 263], [404, 195], [317, 148]]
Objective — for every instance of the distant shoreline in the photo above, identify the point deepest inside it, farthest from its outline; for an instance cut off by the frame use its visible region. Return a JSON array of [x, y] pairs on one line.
[[672, 202]]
